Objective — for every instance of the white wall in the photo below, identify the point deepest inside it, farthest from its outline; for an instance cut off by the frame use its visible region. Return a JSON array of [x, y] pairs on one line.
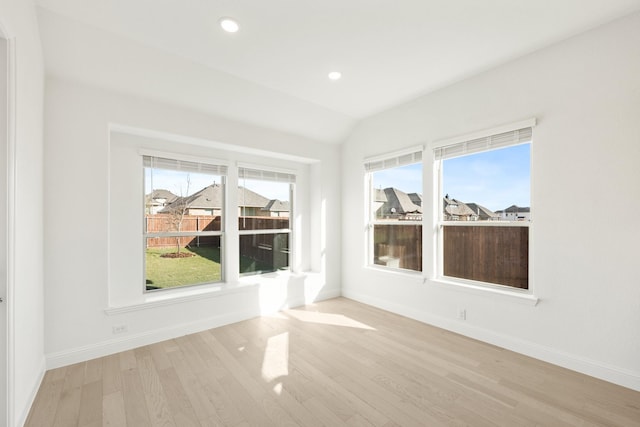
[[82, 267], [585, 94], [26, 326]]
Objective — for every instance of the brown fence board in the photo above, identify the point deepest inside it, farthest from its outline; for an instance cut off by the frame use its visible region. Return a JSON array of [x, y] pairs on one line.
[[488, 254], [401, 242], [260, 247]]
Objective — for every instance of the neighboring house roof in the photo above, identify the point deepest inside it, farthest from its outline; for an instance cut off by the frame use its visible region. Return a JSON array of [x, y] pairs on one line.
[[482, 212], [250, 199], [160, 197], [457, 208], [398, 202], [515, 209], [416, 198], [276, 205], [208, 198], [211, 197]]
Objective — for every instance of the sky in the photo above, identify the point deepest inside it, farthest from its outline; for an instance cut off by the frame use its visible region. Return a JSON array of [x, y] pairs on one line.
[[176, 182], [494, 179]]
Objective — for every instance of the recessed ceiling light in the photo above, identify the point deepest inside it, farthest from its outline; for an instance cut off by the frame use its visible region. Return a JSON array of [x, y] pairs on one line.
[[230, 25], [335, 75]]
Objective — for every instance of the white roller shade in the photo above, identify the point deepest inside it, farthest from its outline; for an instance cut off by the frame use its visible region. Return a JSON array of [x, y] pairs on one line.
[[182, 165], [265, 175], [394, 160], [477, 145]]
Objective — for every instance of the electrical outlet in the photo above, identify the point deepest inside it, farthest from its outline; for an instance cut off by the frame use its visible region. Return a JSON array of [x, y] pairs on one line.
[[119, 329], [462, 313]]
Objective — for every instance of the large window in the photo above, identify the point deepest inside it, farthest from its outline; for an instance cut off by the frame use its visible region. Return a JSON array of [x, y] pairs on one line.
[[485, 209], [395, 211], [183, 232], [264, 220]]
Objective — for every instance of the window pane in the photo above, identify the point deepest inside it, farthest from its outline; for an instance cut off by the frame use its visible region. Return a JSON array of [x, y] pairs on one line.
[[182, 261], [481, 187], [263, 205], [185, 202], [169, 191], [397, 193], [398, 246], [491, 185], [263, 253], [262, 223], [396, 201], [488, 254]]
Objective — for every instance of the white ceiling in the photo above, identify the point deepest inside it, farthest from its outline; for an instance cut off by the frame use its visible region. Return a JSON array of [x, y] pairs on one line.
[[273, 72]]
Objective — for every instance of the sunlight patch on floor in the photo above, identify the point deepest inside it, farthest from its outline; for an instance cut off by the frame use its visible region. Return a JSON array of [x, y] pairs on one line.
[[327, 319], [275, 364]]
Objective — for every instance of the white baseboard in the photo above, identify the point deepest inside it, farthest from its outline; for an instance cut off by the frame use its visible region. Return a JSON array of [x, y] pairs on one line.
[[23, 413], [583, 365], [107, 347]]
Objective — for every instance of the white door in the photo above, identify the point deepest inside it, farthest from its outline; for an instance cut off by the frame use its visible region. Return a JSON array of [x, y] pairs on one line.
[[4, 137]]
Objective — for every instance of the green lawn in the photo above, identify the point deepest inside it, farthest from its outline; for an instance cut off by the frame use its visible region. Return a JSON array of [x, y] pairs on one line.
[[204, 267]]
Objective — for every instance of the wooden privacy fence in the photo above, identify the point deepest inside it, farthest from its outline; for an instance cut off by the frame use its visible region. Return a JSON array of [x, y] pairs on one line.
[[262, 223], [398, 246], [491, 254], [488, 254], [267, 248], [166, 223]]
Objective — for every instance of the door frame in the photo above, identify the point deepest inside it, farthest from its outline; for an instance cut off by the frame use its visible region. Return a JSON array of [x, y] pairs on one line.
[[8, 157]]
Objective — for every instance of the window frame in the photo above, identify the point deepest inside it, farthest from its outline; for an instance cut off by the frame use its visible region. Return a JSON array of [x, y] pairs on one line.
[[440, 223], [385, 162], [171, 157], [267, 174]]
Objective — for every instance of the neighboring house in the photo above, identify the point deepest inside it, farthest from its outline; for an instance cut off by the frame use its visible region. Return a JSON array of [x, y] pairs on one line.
[[251, 203], [515, 213], [455, 210], [157, 200], [392, 203], [209, 201], [482, 213], [277, 208]]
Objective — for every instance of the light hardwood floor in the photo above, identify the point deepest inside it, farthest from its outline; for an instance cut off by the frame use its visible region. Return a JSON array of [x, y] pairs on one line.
[[334, 363]]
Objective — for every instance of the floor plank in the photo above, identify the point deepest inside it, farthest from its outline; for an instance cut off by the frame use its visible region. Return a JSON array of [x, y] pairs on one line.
[[334, 363]]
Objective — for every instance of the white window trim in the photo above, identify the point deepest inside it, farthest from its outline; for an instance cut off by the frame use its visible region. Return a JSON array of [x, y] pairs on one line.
[[438, 278], [521, 296], [173, 296]]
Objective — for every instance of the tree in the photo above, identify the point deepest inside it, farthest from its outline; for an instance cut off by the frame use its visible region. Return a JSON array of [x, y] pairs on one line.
[[176, 213]]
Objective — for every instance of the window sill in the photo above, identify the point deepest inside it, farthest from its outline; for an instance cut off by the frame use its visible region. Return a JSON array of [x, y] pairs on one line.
[[515, 295], [409, 274], [177, 296], [197, 293]]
